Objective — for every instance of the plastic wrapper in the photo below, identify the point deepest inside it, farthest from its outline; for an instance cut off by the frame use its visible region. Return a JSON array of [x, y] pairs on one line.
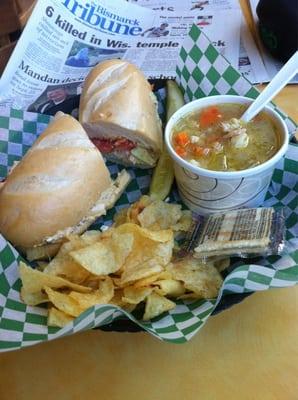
[[244, 233]]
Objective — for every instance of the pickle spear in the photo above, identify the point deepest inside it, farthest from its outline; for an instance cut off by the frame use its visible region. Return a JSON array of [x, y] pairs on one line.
[[174, 99], [163, 174]]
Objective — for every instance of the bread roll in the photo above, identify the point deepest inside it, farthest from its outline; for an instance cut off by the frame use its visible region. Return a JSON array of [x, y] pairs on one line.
[[54, 186], [117, 103]]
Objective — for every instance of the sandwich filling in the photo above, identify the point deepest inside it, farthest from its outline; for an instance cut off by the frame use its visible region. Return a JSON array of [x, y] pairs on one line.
[[125, 150]]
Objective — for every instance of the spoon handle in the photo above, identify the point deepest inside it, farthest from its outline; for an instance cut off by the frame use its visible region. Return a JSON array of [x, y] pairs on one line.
[[278, 82]]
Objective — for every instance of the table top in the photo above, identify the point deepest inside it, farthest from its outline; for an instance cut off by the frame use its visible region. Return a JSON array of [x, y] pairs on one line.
[[248, 352]]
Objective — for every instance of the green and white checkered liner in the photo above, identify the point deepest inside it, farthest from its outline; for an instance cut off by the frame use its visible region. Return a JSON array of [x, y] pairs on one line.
[[202, 71]]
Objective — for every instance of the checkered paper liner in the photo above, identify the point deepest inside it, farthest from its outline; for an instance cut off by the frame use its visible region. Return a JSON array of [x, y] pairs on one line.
[[198, 70]]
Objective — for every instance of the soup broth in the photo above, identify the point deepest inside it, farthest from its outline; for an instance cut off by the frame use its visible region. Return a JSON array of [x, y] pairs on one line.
[[214, 138]]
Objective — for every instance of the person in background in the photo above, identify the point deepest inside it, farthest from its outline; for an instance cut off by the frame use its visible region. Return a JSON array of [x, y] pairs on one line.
[[81, 59]]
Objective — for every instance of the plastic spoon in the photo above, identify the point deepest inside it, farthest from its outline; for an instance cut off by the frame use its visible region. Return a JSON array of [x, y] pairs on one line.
[[278, 82]]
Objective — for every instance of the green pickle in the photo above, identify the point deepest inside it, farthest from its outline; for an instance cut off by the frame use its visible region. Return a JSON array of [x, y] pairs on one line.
[[163, 175]]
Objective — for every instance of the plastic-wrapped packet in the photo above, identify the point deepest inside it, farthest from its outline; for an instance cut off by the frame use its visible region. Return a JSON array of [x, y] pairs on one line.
[[244, 233]]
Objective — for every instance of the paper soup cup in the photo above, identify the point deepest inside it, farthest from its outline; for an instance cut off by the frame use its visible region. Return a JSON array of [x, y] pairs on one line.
[[207, 191]]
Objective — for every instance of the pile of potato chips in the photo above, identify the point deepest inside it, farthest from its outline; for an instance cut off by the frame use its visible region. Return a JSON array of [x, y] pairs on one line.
[[130, 263]]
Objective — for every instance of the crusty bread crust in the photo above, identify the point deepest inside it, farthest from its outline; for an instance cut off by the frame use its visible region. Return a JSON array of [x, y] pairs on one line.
[[54, 186], [117, 100]]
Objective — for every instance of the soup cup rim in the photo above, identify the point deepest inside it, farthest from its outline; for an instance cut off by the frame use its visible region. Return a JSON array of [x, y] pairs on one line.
[[196, 105]]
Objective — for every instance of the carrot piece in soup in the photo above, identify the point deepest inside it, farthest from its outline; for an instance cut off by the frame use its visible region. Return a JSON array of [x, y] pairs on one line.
[[209, 116], [181, 139], [180, 151]]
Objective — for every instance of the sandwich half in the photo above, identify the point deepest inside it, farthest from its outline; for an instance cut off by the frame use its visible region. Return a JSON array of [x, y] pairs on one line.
[[119, 113], [59, 188]]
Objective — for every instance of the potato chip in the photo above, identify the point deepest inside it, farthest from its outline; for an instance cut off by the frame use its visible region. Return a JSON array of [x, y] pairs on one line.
[[151, 279], [121, 217], [58, 318], [222, 264], [117, 300], [139, 271], [186, 296], [160, 215], [161, 236], [125, 265], [102, 295], [201, 278], [41, 265], [105, 257], [137, 208], [155, 215], [151, 251], [148, 245], [34, 281], [134, 295], [33, 299], [169, 287], [65, 267], [93, 281], [44, 252], [156, 305], [184, 223], [73, 243], [64, 302], [91, 237]]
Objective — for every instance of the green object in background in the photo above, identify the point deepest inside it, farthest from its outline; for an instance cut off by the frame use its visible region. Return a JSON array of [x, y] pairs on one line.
[[163, 175], [277, 25]]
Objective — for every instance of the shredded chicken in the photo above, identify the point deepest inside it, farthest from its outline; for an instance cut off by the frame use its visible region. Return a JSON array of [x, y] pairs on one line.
[[218, 147], [240, 141], [206, 151], [194, 139], [235, 132], [231, 125]]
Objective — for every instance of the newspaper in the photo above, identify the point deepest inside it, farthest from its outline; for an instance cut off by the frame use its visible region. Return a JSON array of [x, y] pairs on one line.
[[208, 15], [177, 23], [249, 61], [271, 64], [226, 41], [62, 41], [190, 5]]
